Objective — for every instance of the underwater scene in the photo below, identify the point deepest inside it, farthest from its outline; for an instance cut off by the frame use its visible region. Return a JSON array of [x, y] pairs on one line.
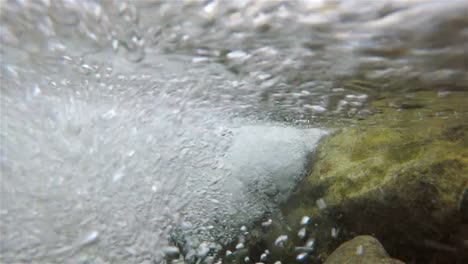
[[234, 131]]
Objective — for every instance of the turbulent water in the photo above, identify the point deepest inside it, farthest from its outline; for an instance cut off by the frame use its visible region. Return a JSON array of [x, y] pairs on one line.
[[124, 124]]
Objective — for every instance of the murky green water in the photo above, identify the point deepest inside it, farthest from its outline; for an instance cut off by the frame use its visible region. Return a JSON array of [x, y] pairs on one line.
[[136, 131]]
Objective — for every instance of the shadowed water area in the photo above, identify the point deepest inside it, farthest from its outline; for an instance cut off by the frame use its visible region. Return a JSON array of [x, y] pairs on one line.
[[235, 131]]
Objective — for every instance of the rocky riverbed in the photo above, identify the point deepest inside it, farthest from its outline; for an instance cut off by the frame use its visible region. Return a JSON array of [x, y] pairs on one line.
[[400, 175]]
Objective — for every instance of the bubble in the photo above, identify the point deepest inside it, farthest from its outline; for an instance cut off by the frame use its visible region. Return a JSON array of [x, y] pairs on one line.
[[240, 246], [308, 250], [301, 257], [238, 54], [267, 223], [302, 233], [135, 52], [115, 45], [334, 232], [360, 250], [315, 108], [210, 6], [36, 90], [109, 114], [87, 69], [321, 204], [281, 240], [305, 220], [310, 243], [118, 174], [199, 59], [171, 252], [129, 12], [89, 238], [203, 250]]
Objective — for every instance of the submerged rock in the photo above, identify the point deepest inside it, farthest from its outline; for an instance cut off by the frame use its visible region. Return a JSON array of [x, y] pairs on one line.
[[361, 250], [399, 175]]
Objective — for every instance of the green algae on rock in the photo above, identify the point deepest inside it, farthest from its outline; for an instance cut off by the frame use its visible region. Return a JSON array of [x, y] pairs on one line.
[[361, 250], [398, 174]]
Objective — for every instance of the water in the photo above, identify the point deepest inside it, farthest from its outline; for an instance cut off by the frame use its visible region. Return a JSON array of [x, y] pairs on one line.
[[127, 125]]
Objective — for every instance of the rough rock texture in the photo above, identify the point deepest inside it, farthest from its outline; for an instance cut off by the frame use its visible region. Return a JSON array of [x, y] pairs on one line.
[[399, 174], [361, 250]]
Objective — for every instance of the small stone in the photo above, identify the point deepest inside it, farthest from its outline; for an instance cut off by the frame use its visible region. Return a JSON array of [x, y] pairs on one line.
[[362, 250]]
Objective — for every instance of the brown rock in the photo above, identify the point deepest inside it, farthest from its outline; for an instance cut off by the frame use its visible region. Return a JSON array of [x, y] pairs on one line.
[[361, 250]]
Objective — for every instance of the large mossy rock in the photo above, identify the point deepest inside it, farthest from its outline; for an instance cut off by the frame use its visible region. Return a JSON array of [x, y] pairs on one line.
[[361, 250], [398, 175]]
